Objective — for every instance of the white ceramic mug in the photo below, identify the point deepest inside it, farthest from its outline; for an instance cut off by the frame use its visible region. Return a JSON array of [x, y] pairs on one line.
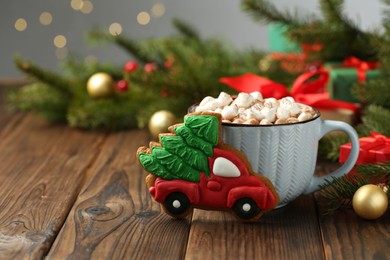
[[287, 154]]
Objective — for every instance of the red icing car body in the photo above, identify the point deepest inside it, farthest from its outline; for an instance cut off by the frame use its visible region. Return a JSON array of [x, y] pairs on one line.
[[230, 186]]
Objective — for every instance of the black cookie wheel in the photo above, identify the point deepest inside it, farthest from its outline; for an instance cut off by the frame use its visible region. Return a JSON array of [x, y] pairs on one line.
[[177, 204], [246, 209]]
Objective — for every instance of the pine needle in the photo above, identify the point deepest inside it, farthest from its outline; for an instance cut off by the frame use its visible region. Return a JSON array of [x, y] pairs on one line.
[[338, 193]]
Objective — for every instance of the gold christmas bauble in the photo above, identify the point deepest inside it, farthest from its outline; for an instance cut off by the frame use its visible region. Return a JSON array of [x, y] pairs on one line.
[[370, 201], [160, 121], [100, 85]]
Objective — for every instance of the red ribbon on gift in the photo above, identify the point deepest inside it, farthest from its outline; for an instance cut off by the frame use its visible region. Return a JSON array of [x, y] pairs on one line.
[[308, 88], [373, 148], [361, 66]]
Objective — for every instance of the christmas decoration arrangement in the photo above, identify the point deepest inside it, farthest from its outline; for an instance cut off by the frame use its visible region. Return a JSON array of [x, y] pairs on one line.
[[357, 63], [327, 62], [163, 74], [191, 167]]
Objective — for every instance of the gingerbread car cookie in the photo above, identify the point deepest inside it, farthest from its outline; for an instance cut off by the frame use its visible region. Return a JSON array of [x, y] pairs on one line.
[[191, 167]]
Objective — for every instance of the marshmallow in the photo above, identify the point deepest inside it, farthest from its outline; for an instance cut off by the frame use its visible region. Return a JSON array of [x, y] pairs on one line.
[[269, 113], [289, 104], [257, 114], [308, 109], [254, 110], [281, 121], [206, 100], [291, 99], [243, 100], [257, 96], [201, 109], [271, 102], [251, 121], [292, 120], [257, 106], [294, 109], [224, 99], [238, 121], [212, 105], [265, 122], [250, 114], [282, 113], [304, 116], [229, 112]]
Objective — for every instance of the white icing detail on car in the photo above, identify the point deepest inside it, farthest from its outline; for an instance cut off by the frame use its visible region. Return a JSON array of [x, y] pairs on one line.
[[225, 168], [246, 207], [176, 204]]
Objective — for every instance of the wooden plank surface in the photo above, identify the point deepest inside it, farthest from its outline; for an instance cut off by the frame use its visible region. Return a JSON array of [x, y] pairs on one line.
[[290, 232], [81, 195], [41, 171], [346, 236], [114, 217]]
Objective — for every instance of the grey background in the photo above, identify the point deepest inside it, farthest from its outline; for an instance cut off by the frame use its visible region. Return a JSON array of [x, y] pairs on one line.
[[216, 18]]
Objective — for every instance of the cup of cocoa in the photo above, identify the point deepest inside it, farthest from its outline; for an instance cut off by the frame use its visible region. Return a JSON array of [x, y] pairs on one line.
[[280, 139]]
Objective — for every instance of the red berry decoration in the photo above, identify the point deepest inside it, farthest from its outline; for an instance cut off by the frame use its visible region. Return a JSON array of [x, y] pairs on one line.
[[150, 67], [169, 62], [122, 85], [131, 66]]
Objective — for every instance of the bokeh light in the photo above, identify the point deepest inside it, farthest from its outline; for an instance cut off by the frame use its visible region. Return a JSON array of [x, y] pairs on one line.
[[60, 41], [20, 24], [76, 4], [45, 18], [143, 18], [115, 29], [87, 7], [158, 10]]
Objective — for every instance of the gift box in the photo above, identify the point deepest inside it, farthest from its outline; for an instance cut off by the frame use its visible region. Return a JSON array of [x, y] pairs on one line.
[[343, 76], [374, 148], [278, 42], [342, 80]]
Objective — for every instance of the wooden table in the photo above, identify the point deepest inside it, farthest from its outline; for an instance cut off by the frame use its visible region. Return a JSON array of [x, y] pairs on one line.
[[66, 193]]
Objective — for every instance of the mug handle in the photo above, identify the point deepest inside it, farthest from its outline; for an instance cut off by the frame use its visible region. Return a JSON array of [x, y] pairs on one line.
[[329, 126]]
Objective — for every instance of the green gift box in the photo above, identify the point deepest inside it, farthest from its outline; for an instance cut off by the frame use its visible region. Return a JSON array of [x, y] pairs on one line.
[[341, 80], [278, 42]]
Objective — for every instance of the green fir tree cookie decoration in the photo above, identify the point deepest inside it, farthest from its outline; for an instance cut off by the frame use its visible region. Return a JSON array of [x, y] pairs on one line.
[[183, 153]]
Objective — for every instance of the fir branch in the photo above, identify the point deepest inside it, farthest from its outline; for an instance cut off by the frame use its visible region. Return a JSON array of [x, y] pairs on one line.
[[338, 193], [135, 49], [41, 99], [129, 45], [132, 47], [186, 30], [105, 114], [45, 76], [96, 37], [375, 92], [333, 12], [377, 119], [335, 17], [265, 12], [376, 172], [386, 15], [77, 67]]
